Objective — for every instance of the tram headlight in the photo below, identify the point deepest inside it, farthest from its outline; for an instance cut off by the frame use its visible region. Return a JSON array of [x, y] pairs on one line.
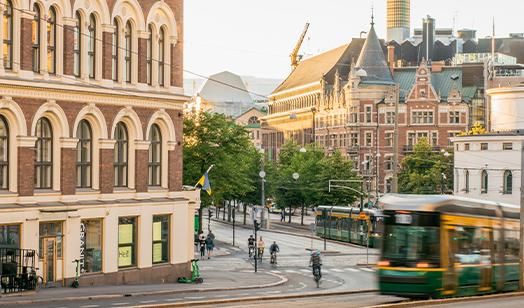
[[383, 263], [422, 265]]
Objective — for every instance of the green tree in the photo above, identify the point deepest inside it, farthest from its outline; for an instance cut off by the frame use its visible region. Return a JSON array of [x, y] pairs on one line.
[[422, 172], [211, 138]]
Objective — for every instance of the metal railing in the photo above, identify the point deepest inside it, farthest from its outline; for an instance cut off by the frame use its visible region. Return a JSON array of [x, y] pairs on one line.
[[17, 269]]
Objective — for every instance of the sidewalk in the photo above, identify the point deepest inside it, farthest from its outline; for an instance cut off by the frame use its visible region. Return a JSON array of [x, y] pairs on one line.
[[214, 280]]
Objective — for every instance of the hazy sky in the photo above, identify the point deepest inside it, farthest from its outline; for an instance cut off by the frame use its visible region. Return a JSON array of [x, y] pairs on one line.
[[255, 37]]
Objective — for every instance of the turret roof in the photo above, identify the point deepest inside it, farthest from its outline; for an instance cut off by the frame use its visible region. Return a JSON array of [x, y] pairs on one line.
[[372, 60]]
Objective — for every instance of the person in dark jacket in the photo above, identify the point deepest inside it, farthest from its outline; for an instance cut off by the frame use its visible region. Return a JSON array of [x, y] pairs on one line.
[[210, 243], [316, 263], [202, 242]]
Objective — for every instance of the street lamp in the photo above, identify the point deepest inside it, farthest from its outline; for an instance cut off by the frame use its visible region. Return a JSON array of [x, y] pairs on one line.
[[262, 175]]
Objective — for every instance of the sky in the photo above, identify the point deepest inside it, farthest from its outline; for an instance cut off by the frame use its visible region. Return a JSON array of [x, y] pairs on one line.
[[256, 37]]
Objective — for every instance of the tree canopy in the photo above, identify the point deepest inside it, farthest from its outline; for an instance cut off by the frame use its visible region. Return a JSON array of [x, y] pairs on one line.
[[422, 172]]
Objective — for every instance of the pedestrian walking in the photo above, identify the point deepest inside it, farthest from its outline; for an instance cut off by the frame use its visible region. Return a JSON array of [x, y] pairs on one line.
[[283, 216], [211, 234], [210, 243], [202, 242]]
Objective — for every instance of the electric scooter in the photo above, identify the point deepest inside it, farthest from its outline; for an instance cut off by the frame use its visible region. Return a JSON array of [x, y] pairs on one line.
[[195, 277], [75, 283]]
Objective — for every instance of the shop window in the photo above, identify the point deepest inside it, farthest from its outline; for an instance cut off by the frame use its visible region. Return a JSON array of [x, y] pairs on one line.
[[51, 229], [91, 246], [483, 146], [161, 227], [127, 241], [9, 236]]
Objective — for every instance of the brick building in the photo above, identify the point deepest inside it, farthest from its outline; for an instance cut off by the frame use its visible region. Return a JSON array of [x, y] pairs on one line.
[[357, 115], [91, 116]]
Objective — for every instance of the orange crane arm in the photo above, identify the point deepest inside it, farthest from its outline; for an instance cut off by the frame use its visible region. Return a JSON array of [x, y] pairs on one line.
[[294, 54]]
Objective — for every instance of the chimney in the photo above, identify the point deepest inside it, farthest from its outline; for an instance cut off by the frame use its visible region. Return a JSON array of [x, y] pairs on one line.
[[391, 59]]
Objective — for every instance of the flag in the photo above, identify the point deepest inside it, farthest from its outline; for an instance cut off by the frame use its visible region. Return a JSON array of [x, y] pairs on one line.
[[204, 182]]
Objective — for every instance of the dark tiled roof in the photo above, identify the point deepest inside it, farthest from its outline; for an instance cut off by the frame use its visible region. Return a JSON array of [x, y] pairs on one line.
[[372, 60]]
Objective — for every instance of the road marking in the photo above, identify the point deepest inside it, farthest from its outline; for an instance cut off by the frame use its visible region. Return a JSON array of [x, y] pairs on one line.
[[305, 270], [368, 269], [337, 270], [89, 306], [276, 272], [222, 295], [352, 269], [120, 304], [173, 299], [290, 271], [273, 292], [145, 302], [326, 271], [244, 294], [194, 297]]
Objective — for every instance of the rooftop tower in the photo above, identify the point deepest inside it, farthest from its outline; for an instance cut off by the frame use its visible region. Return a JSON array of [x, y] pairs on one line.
[[398, 20]]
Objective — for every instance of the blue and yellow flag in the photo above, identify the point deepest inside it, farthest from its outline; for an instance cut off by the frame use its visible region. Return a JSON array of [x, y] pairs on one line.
[[204, 181]]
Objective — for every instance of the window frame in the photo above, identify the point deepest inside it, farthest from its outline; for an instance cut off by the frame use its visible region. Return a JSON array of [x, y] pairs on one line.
[[36, 38], [4, 165], [8, 18], [77, 46], [507, 146], [51, 47], [128, 52], [41, 164], [91, 46], [149, 56], [466, 180], [155, 167], [508, 189], [165, 241], [121, 167], [161, 56], [484, 182], [133, 244], [83, 164], [115, 50]]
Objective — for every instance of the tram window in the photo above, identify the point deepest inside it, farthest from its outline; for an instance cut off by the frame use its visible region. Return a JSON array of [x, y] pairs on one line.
[[334, 223], [411, 243], [472, 243], [511, 245], [345, 224], [320, 222]]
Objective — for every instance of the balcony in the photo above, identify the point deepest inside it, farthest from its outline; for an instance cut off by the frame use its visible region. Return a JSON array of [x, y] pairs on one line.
[[408, 149], [353, 149]]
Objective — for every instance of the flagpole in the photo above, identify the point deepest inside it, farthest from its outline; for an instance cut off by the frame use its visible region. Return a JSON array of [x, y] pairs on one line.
[[212, 165]]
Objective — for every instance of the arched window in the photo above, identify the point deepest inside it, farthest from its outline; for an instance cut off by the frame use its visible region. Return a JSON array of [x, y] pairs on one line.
[[83, 154], [77, 36], [466, 180], [4, 150], [149, 54], [8, 35], [114, 52], [161, 56], [253, 121], [51, 41], [508, 182], [484, 182], [35, 36], [127, 47], [43, 154], [91, 46], [120, 155], [155, 155]]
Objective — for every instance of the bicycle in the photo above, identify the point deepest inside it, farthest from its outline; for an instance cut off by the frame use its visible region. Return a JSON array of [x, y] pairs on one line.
[[251, 250], [260, 254], [273, 259], [36, 281], [316, 275]]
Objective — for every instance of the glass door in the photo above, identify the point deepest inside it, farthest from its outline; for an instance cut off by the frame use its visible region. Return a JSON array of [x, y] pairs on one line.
[[49, 259]]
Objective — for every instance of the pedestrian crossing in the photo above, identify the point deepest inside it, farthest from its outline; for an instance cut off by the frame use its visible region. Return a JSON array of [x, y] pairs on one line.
[[304, 271]]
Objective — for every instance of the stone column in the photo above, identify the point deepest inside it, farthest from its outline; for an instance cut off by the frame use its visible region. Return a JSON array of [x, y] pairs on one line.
[[141, 167], [68, 168], [107, 52], [26, 169], [142, 58], [107, 148], [68, 65]]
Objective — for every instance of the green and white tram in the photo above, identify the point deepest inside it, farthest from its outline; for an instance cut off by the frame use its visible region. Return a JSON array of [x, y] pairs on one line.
[[344, 223], [444, 246]]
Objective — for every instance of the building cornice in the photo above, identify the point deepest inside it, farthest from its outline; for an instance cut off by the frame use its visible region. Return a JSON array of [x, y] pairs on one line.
[[293, 89], [72, 93]]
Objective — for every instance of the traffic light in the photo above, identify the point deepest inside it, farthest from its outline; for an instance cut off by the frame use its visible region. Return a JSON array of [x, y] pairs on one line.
[[210, 213], [256, 225]]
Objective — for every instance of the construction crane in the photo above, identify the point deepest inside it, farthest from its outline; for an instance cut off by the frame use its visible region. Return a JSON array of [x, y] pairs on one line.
[[295, 58]]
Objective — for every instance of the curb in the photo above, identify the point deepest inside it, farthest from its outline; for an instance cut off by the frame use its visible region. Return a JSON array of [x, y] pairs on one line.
[[259, 298], [449, 300], [283, 280]]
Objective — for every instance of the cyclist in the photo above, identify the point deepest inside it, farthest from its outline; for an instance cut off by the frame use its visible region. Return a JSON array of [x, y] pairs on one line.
[[273, 249], [316, 263], [261, 245], [251, 244]]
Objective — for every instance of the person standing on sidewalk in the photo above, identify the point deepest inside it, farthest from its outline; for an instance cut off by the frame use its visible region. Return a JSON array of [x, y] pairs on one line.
[[210, 243], [283, 215]]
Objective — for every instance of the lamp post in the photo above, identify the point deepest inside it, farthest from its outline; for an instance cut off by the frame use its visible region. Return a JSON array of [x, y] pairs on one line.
[[446, 154], [262, 175]]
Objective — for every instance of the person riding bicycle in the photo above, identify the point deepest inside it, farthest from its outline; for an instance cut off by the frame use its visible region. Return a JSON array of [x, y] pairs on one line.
[[316, 262], [273, 249], [251, 244], [261, 245]]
